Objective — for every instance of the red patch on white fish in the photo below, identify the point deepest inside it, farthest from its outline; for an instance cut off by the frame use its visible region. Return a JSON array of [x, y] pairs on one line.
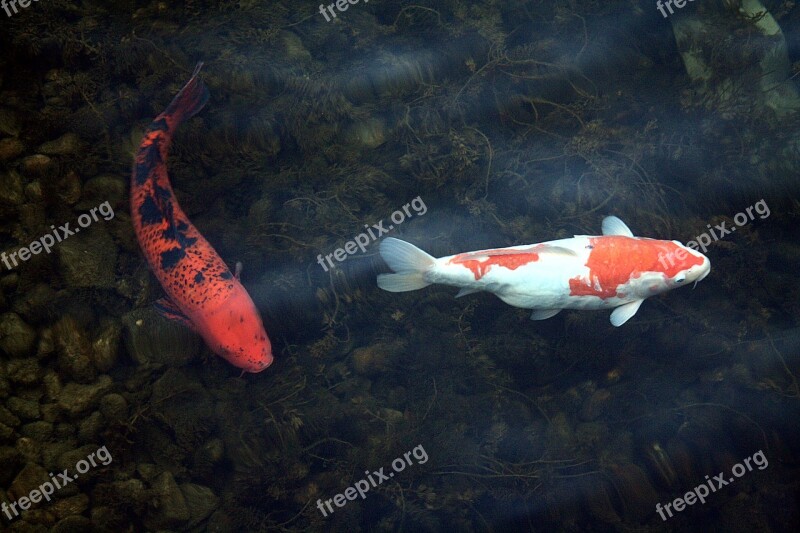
[[481, 262], [615, 260]]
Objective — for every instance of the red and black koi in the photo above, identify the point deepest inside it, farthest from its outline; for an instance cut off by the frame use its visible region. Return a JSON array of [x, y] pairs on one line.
[[201, 291]]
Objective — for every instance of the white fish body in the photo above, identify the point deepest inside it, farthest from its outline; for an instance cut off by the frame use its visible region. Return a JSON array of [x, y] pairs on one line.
[[615, 270]]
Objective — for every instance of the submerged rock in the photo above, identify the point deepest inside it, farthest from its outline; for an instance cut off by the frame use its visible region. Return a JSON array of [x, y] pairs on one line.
[[150, 338], [12, 193], [24, 409], [100, 189], [89, 258], [74, 505], [40, 430], [30, 449], [595, 405], [369, 133], [374, 359], [10, 463], [200, 501], [17, 338], [74, 524], [28, 479], [24, 371], [8, 418], [105, 348], [90, 428], [114, 408], [73, 350], [77, 399], [35, 305], [10, 149], [67, 144], [9, 125], [38, 165], [6, 433], [68, 188], [170, 509]]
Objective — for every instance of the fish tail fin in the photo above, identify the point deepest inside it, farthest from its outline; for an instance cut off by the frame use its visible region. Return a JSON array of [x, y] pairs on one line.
[[189, 101], [409, 263]]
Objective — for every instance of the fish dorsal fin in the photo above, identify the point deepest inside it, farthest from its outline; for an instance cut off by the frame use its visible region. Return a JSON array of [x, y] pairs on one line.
[[170, 311], [624, 312], [614, 226]]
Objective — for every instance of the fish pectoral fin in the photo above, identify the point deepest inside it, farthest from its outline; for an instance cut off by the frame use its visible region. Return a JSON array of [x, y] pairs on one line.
[[466, 292], [238, 270], [621, 314], [544, 314], [170, 311], [614, 226]]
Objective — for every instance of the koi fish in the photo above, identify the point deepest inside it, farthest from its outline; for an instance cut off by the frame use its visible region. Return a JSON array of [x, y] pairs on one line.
[[202, 293], [613, 271]]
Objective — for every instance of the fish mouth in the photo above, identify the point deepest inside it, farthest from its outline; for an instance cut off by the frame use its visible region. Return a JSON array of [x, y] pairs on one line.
[[704, 276]]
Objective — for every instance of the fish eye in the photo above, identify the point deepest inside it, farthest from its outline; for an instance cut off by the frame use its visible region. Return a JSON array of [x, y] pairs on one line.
[[680, 280]]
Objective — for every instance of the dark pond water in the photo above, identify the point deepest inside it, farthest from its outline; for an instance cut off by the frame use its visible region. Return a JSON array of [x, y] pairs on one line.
[[139, 390]]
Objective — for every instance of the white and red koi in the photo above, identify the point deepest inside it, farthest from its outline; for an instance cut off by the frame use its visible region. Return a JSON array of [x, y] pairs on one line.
[[614, 270]]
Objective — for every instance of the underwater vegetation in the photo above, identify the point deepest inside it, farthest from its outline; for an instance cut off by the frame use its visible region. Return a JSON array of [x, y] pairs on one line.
[[517, 122]]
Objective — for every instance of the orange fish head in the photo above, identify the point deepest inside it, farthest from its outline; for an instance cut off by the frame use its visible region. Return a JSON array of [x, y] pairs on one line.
[[682, 265], [236, 332]]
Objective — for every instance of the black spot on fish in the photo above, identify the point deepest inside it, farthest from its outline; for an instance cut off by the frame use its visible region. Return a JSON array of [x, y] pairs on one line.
[[199, 278], [148, 158], [170, 258], [150, 212], [173, 233], [162, 193], [226, 275], [164, 200], [142, 172], [158, 125], [186, 242], [169, 233]]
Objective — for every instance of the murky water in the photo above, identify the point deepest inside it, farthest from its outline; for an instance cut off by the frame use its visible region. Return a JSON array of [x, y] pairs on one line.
[[455, 126]]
